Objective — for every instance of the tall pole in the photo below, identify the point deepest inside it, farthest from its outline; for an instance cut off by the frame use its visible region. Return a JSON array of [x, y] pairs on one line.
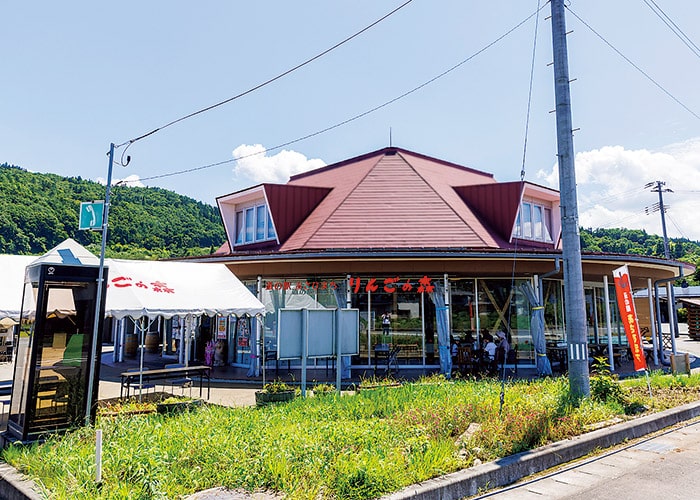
[[672, 319], [574, 300], [100, 280]]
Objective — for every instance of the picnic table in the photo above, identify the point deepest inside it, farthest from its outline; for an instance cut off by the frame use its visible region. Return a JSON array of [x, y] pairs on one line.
[[200, 371]]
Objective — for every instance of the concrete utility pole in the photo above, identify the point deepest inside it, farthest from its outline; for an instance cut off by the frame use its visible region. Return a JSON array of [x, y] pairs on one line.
[[574, 299], [673, 319]]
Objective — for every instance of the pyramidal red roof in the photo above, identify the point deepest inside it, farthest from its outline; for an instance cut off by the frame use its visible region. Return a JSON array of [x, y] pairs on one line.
[[394, 198]]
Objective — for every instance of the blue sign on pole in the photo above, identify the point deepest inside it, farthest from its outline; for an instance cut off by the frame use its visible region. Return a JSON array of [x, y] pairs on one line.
[[91, 215]]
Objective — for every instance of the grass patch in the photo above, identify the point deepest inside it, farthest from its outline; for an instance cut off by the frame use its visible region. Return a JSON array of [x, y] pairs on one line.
[[349, 447]]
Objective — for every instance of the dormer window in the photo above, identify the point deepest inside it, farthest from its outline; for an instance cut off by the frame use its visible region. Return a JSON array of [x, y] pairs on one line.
[[253, 225], [534, 222]]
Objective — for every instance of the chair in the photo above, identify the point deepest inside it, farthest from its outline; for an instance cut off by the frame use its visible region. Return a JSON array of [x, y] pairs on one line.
[[512, 359], [47, 388], [465, 360], [393, 359], [62, 397], [181, 382], [143, 386]]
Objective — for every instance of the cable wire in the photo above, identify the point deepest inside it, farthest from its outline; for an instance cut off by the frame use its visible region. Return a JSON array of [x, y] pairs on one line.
[[634, 65], [673, 27], [529, 92], [356, 117], [267, 82], [522, 183]]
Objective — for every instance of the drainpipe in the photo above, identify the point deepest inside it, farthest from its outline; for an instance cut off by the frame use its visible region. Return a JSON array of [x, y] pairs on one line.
[[671, 320], [546, 275]]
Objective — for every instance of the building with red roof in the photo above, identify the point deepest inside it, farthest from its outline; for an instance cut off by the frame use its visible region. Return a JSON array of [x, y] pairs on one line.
[[378, 231]]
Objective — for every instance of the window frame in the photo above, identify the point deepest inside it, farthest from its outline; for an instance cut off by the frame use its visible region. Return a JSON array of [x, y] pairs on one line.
[[248, 229], [533, 222]]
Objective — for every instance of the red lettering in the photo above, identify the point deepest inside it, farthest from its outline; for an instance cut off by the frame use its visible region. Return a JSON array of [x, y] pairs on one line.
[[389, 284], [424, 285]]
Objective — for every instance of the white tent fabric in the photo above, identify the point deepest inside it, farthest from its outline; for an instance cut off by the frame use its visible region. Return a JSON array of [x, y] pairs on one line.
[[140, 288], [13, 267], [156, 288]]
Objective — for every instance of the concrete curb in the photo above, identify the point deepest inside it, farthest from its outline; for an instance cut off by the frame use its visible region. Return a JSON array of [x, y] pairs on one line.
[[507, 470], [15, 486]]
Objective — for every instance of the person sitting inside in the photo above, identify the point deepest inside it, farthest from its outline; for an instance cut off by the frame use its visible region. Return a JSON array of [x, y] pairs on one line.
[[489, 352], [454, 348], [502, 348]]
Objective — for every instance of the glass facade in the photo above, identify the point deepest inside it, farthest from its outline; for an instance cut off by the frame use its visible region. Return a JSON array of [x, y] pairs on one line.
[[477, 306]]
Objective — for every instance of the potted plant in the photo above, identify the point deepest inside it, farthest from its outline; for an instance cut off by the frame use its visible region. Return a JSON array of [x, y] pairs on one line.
[[177, 405], [274, 392], [323, 389]]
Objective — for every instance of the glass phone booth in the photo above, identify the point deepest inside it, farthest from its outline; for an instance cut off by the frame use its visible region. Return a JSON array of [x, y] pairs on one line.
[[53, 350]]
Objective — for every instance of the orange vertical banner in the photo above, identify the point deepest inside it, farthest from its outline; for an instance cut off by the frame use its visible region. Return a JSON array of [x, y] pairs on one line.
[[628, 315]]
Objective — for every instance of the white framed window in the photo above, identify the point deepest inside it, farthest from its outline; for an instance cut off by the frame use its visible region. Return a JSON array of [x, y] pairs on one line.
[[533, 222], [254, 224]]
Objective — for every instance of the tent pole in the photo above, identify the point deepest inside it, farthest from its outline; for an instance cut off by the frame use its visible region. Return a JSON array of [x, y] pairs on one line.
[[141, 327]]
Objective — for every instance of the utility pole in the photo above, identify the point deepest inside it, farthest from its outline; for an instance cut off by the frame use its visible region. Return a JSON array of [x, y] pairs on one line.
[[657, 185], [574, 299], [670, 294]]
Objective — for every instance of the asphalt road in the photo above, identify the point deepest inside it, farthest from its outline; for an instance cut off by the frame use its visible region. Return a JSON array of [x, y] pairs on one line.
[[661, 467]]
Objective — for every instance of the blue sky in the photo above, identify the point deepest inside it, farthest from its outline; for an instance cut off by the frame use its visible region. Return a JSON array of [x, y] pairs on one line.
[[79, 75]]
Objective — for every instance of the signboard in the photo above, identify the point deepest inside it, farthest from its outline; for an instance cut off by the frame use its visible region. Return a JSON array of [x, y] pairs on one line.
[[321, 333], [91, 215], [320, 328], [221, 324]]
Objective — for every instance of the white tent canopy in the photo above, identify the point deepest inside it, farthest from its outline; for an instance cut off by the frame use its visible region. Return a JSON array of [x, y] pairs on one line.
[[156, 288], [140, 288]]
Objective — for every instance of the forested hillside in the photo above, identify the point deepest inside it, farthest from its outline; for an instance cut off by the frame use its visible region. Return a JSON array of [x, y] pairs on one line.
[[38, 211], [639, 242]]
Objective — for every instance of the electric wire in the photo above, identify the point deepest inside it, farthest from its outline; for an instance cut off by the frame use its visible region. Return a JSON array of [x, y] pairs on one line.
[[522, 183], [267, 82], [354, 118], [673, 27], [635, 66], [680, 231]]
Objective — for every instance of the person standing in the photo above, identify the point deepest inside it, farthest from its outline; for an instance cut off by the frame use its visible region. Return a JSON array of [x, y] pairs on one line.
[[386, 323]]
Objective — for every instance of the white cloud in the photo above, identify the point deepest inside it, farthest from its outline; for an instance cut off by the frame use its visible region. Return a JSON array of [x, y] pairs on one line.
[[611, 193], [131, 181], [254, 164]]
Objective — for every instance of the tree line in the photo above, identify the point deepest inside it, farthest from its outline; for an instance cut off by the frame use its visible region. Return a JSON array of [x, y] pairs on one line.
[[38, 211]]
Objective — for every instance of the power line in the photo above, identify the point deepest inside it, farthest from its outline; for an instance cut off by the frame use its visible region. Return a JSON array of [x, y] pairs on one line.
[[529, 93], [673, 27], [613, 197], [356, 117], [267, 82], [634, 65], [680, 231]]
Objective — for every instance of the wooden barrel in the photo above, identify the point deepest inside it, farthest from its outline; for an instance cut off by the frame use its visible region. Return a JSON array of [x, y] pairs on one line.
[[152, 342], [130, 344]]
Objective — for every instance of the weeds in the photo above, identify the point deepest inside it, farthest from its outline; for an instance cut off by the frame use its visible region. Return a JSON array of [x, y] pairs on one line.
[[353, 447]]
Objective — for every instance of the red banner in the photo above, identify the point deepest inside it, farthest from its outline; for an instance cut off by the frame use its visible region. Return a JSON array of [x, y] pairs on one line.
[[628, 315]]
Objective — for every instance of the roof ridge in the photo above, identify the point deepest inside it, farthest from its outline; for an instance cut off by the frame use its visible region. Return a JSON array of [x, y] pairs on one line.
[[340, 202]]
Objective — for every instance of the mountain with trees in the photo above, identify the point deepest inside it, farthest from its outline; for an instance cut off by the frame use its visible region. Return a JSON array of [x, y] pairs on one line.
[[38, 211], [639, 242]]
